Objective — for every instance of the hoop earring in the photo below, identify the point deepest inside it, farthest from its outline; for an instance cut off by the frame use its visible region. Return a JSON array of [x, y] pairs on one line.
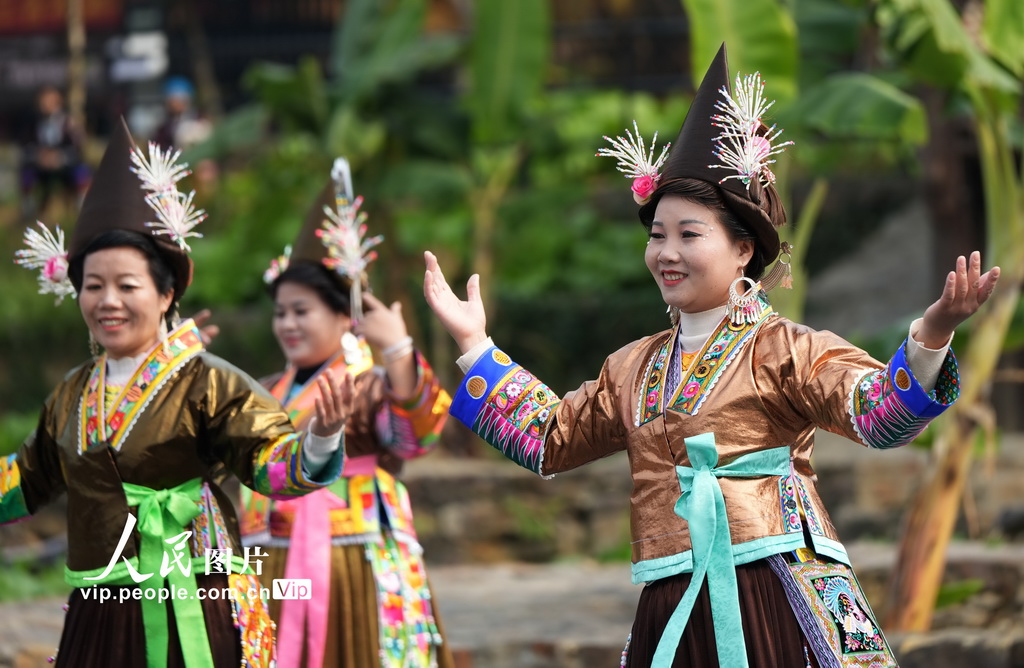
[[745, 308], [94, 348]]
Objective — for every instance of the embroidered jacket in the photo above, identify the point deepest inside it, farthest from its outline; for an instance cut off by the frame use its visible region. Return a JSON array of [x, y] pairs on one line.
[[184, 417], [381, 434], [756, 389]]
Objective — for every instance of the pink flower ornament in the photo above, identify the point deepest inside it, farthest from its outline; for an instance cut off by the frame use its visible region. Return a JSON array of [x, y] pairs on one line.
[[637, 161], [56, 268], [643, 187]]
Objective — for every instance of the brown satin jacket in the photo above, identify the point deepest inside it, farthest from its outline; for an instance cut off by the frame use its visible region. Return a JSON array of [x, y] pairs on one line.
[[760, 390]]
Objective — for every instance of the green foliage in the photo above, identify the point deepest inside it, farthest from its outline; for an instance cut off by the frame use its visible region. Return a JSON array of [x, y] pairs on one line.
[[934, 46], [22, 581], [621, 553], [507, 66], [829, 32], [14, 428], [1001, 31], [534, 522], [954, 593], [856, 111], [381, 43], [760, 34]]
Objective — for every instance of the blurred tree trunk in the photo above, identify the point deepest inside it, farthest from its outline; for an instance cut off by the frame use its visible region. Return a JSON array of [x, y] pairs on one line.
[[76, 64], [208, 97]]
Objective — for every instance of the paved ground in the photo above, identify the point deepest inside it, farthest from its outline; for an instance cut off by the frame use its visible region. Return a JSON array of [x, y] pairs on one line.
[[578, 615], [486, 611]]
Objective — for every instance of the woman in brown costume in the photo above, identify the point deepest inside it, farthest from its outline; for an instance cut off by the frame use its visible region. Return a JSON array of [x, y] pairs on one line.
[[139, 435], [717, 414]]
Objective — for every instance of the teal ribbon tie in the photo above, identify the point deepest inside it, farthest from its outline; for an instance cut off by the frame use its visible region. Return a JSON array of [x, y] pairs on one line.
[[702, 505], [163, 513]]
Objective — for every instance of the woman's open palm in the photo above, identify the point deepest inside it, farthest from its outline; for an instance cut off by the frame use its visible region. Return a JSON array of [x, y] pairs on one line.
[[464, 320], [963, 293]]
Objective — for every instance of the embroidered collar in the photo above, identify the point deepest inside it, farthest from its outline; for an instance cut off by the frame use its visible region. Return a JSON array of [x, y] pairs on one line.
[[98, 428], [719, 349], [301, 402]]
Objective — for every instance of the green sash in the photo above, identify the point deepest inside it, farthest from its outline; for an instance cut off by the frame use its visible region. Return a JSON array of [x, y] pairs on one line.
[[162, 515]]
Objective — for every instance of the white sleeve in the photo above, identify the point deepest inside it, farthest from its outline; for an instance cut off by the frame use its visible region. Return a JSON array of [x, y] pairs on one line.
[[925, 363], [470, 357], [318, 450]]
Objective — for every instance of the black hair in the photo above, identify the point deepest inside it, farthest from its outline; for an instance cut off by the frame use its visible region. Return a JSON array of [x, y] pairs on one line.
[[709, 195], [326, 283]]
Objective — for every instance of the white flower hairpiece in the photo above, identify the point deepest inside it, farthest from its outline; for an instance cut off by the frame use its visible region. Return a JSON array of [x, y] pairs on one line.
[[177, 217], [344, 235], [46, 252], [278, 266], [739, 146], [160, 172], [159, 175], [636, 161]]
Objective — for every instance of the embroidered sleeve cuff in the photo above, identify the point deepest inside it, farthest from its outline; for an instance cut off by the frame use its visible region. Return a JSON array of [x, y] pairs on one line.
[[413, 427], [506, 406], [12, 500], [280, 469], [889, 407], [925, 401]]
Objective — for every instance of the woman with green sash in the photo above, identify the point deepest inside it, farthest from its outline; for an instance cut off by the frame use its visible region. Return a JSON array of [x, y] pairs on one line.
[[717, 414], [138, 436]]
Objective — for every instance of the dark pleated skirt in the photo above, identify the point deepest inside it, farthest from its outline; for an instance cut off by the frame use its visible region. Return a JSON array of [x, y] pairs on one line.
[[771, 630], [107, 634]]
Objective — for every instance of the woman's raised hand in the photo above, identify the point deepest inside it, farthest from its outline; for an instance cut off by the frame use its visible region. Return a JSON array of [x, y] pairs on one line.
[[382, 325], [464, 320], [335, 402], [966, 289]]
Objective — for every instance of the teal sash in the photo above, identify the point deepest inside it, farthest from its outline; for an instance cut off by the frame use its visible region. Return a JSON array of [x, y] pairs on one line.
[[703, 507]]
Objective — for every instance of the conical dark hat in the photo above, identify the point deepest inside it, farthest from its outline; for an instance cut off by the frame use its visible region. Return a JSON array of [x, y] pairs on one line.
[[115, 201], [308, 247], [694, 151]]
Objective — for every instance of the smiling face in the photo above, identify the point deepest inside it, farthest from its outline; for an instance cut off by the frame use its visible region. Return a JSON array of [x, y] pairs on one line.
[[308, 331], [120, 302], [692, 256]]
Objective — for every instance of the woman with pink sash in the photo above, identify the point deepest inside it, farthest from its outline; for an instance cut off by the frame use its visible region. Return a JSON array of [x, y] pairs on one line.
[[370, 602]]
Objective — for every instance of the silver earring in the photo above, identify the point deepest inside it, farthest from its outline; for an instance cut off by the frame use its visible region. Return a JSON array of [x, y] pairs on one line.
[[163, 334], [673, 315], [745, 308], [94, 348]]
